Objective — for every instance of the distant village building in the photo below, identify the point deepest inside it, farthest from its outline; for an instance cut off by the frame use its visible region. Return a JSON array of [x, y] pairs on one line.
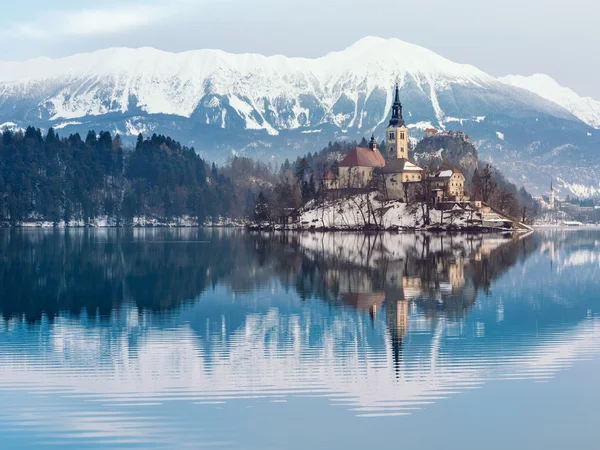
[[330, 180], [448, 184]]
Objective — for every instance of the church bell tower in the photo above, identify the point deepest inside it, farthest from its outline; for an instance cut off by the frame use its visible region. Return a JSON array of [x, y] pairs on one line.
[[396, 134]]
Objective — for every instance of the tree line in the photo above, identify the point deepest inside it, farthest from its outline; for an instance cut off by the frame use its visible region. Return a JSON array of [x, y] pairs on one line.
[[70, 179]]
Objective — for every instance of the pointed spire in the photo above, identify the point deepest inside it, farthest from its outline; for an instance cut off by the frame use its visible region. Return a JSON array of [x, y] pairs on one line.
[[397, 120]]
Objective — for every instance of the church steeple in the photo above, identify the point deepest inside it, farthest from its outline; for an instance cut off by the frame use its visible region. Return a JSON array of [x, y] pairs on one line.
[[396, 133], [397, 120]]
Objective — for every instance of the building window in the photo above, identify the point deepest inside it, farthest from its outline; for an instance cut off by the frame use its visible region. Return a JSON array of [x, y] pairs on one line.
[[391, 136], [401, 135]]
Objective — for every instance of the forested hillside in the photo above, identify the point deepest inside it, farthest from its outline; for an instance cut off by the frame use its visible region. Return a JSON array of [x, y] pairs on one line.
[[65, 180]]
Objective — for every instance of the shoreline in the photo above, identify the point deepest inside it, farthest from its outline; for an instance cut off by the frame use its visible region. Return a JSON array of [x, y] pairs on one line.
[[269, 229]]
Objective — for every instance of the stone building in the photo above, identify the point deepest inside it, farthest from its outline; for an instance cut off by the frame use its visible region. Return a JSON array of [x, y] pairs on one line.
[[398, 173], [357, 168], [448, 184]]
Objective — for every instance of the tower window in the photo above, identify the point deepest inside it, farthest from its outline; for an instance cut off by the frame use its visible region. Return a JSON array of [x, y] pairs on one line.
[[391, 135], [401, 135]]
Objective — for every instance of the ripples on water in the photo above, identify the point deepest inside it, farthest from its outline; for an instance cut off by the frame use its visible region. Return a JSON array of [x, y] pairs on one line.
[[168, 338]]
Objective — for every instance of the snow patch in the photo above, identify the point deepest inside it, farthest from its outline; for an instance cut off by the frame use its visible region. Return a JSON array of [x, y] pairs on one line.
[[500, 135], [420, 125], [62, 125]]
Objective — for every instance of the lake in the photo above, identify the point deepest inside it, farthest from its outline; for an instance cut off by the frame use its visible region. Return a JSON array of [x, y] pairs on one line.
[[184, 338]]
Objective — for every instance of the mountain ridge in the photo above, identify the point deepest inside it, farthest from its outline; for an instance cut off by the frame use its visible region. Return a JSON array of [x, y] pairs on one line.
[[585, 108], [273, 107]]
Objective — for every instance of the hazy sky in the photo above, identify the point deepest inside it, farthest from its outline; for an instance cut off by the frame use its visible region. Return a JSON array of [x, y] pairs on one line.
[[559, 38]]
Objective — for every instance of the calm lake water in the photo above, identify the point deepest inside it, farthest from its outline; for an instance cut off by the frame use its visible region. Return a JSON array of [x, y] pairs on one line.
[[223, 339]]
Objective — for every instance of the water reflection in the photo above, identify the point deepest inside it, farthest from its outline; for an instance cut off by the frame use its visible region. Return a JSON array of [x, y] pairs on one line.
[[127, 338]]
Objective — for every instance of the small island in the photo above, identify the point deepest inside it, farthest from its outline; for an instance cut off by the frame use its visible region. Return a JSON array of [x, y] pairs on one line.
[[368, 191]]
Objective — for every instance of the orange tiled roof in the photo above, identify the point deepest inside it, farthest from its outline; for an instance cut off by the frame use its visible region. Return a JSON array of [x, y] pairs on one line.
[[363, 157]]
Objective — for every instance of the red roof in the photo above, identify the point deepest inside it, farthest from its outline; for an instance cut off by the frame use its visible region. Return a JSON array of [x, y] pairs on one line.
[[363, 157], [430, 130], [329, 175]]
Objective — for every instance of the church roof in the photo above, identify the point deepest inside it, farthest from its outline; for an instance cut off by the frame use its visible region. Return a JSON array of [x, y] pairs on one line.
[[363, 157], [329, 175], [401, 165]]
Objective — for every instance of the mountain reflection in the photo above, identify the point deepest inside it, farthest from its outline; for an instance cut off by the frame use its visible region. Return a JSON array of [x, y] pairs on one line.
[[105, 323]]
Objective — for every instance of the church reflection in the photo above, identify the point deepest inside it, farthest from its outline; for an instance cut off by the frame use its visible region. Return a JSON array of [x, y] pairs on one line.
[[440, 275]]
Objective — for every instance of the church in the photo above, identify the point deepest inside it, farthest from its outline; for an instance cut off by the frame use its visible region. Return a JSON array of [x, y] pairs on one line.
[[359, 168]]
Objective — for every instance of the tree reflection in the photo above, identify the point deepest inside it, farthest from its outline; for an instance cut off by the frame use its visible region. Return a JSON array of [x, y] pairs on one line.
[[97, 271]]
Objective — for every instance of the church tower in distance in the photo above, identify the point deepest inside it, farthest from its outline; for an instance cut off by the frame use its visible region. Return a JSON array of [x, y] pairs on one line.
[[396, 134]]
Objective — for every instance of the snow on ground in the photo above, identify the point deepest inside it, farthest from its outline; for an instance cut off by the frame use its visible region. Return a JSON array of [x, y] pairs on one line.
[[500, 135], [353, 213]]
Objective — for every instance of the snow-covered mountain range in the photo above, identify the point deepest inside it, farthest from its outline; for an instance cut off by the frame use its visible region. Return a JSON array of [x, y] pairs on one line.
[[278, 107]]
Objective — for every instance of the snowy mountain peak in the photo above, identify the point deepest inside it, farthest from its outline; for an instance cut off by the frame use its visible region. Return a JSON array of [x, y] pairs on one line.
[[585, 108]]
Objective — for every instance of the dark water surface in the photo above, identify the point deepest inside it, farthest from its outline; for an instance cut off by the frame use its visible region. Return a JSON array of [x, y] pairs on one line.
[[222, 339]]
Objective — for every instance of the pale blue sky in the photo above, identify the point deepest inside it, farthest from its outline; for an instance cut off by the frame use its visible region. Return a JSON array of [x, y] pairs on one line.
[[513, 36]]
